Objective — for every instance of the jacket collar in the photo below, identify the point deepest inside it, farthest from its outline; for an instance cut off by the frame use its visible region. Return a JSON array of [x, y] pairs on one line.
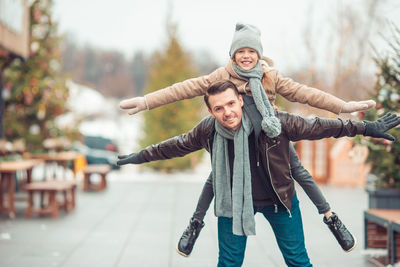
[[229, 69]]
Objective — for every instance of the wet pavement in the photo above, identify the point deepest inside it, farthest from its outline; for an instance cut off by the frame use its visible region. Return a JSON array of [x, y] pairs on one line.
[[138, 220]]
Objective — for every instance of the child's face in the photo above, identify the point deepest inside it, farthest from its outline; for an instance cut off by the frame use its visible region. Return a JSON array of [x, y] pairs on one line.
[[246, 58]]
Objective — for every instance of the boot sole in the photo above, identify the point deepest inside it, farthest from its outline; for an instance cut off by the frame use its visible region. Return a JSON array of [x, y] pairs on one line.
[[353, 247], [181, 253]]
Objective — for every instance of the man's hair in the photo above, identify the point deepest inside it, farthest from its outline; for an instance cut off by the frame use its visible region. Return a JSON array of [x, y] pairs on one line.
[[219, 87]]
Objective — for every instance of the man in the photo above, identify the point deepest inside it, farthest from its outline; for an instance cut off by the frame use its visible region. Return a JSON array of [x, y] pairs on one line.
[[251, 170]]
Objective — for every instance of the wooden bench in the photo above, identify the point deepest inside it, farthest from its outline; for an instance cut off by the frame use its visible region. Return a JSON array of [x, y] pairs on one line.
[[378, 230], [395, 240], [102, 170], [51, 188]]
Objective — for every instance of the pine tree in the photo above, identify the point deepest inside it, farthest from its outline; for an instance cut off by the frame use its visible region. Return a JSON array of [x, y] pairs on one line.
[[35, 92], [171, 66], [384, 156]]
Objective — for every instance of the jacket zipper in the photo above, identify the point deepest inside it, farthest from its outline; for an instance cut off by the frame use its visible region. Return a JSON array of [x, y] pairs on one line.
[[272, 185], [209, 146]]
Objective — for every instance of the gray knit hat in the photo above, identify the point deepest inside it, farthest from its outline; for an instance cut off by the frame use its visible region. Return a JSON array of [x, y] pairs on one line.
[[246, 35]]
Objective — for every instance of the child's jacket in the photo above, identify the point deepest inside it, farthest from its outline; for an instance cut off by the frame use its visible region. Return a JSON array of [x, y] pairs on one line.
[[272, 81]]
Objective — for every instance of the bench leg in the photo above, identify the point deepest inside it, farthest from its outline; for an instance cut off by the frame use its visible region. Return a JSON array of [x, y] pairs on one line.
[[2, 182], [393, 246], [11, 189], [73, 197], [29, 208], [53, 204], [396, 246], [86, 181], [42, 200], [66, 202], [103, 183], [389, 245]]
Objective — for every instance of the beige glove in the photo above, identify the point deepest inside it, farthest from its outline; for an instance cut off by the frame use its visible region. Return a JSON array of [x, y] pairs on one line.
[[353, 106], [135, 104]]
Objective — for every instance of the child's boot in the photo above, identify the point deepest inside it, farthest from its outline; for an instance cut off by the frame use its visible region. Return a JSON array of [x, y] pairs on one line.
[[342, 235], [189, 236]]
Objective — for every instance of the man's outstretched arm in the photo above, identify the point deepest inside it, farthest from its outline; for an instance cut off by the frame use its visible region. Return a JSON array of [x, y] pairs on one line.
[[379, 128], [298, 128], [178, 146], [133, 158]]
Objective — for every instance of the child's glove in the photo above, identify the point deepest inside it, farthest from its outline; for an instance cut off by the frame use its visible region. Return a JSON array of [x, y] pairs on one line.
[[134, 105], [354, 106], [378, 128], [134, 158]]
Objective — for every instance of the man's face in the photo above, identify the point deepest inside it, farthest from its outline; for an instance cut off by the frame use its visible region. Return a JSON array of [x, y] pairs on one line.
[[226, 108]]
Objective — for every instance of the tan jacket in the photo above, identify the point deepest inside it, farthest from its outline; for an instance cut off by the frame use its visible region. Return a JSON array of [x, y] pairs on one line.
[[272, 82]]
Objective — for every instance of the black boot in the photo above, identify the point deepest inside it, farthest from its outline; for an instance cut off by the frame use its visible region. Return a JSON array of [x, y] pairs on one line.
[[189, 236], [342, 235]]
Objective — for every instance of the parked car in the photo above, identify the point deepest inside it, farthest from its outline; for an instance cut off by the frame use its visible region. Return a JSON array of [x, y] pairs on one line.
[[99, 150]]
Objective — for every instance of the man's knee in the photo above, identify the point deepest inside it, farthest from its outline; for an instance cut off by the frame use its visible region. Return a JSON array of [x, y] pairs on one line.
[[290, 236]]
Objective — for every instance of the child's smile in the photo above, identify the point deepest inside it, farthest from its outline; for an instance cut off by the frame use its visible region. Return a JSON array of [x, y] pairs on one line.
[[246, 58]]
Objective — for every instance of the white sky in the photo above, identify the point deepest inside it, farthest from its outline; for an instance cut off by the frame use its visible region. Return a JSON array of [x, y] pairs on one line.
[[132, 25]]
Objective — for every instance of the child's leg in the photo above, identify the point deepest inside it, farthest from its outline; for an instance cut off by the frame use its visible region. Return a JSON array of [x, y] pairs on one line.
[[190, 235], [207, 194], [305, 180]]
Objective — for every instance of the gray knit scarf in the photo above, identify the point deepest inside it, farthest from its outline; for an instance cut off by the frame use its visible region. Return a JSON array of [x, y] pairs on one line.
[[236, 203], [270, 124]]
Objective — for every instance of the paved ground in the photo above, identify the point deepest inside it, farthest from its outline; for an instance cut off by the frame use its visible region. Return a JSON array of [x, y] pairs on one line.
[[138, 220]]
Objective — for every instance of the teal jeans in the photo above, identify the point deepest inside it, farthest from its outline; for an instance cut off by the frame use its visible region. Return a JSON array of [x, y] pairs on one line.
[[288, 233]]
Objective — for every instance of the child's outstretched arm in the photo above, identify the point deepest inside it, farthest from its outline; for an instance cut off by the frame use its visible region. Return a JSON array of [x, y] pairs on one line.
[[135, 104], [353, 106], [183, 90], [297, 92]]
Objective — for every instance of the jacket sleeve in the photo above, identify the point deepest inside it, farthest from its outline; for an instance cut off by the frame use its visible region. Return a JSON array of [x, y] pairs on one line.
[[299, 128], [180, 145], [296, 92], [183, 90]]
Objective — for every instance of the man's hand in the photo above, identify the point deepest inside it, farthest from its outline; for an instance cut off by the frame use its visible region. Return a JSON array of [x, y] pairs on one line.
[[378, 128], [134, 105], [134, 158], [354, 106]]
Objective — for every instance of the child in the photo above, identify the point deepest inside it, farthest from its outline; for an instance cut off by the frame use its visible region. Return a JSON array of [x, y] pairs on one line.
[[247, 62]]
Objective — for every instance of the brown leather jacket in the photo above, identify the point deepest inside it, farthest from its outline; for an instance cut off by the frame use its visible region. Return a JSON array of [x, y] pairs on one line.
[[274, 152]]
